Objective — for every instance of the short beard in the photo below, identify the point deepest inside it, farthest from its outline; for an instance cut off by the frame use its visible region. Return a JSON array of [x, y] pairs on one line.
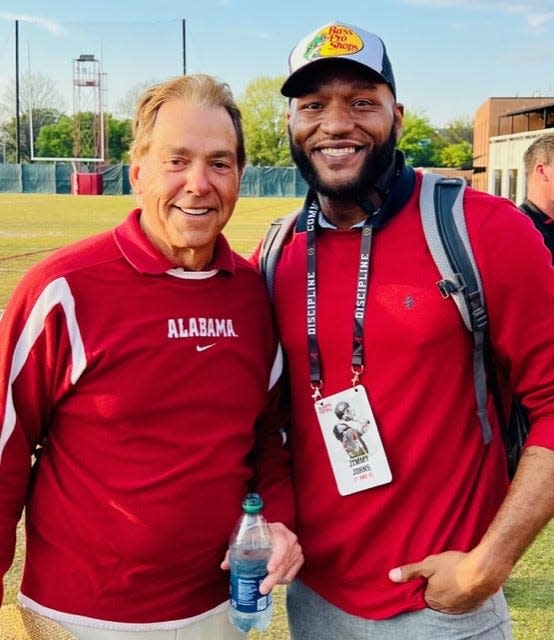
[[376, 164]]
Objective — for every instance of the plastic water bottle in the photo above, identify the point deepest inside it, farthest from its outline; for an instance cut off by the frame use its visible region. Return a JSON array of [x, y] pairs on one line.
[[250, 548]]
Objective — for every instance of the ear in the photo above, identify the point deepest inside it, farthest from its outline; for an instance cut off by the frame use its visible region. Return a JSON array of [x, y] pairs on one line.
[[398, 119], [134, 178], [540, 171], [290, 108], [239, 180]]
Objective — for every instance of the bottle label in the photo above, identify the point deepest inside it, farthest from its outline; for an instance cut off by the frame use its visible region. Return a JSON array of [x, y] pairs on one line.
[[246, 596]]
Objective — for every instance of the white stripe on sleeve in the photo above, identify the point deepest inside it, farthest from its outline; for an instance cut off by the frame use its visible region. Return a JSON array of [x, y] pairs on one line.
[[56, 292]]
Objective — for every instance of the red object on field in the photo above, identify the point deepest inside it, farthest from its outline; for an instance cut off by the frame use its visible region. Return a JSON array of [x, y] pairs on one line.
[[87, 184]]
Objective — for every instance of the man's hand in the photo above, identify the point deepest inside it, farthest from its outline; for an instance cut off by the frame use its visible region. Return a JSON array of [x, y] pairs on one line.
[[456, 582], [286, 558]]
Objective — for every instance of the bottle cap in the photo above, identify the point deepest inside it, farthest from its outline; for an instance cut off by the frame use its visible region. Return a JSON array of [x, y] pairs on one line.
[[252, 503]]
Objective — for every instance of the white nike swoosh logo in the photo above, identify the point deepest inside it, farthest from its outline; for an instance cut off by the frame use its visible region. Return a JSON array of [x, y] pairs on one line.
[[204, 347]]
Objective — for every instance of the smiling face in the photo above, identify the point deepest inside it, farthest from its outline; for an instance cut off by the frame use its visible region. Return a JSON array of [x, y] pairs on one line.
[[187, 181], [343, 132]]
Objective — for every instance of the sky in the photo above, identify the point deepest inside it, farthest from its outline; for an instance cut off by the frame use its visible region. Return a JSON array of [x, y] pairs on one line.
[[448, 56]]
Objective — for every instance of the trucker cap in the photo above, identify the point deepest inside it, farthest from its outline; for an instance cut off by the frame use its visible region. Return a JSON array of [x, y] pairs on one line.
[[337, 40]]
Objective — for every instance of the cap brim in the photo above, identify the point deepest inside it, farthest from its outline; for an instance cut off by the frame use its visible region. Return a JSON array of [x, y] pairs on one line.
[[301, 82]]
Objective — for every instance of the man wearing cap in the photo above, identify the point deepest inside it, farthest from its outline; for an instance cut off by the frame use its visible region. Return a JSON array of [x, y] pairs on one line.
[[420, 545], [539, 201]]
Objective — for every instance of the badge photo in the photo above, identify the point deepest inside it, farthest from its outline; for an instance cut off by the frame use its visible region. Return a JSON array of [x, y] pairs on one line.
[[352, 439]]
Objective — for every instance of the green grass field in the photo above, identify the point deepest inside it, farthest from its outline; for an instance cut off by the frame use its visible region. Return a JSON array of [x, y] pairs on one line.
[[31, 226]]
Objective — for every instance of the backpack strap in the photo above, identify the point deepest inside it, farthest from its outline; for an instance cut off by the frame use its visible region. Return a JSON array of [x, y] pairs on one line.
[[272, 246], [444, 226]]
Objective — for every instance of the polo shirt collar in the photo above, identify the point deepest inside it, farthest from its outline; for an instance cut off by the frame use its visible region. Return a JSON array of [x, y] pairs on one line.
[[537, 214]]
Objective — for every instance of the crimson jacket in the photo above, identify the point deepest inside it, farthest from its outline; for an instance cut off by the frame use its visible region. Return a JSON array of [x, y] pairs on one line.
[[148, 381], [446, 484]]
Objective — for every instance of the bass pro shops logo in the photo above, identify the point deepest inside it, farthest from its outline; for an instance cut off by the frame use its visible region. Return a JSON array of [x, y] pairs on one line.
[[334, 40]]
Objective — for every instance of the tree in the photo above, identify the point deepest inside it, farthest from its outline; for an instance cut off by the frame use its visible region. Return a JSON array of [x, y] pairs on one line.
[[56, 140], [40, 118], [36, 91], [458, 130], [38, 96], [126, 107], [419, 140], [458, 149], [458, 155], [119, 140], [263, 110]]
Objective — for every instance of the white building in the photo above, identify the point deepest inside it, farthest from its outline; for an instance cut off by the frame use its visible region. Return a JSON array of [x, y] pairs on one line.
[[506, 174]]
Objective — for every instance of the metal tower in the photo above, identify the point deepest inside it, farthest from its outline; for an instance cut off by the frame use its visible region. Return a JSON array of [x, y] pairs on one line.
[[89, 135]]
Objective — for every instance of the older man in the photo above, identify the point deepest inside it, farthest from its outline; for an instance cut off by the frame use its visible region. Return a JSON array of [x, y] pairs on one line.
[[143, 359]]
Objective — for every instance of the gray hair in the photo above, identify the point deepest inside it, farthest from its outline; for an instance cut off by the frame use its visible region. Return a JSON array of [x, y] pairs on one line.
[[200, 88], [540, 150]]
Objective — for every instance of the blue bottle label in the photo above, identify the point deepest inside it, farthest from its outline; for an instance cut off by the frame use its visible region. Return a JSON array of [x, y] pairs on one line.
[[246, 596]]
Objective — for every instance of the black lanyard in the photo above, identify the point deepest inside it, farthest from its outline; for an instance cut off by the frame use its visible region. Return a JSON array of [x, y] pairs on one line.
[[316, 380]]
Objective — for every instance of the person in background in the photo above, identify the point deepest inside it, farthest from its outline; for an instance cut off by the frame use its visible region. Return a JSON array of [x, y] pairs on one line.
[[423, 554], [538, 204], [144, 361]]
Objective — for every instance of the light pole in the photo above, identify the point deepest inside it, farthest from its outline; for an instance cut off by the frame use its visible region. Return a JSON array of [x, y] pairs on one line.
[[184, 49], [17, 150]]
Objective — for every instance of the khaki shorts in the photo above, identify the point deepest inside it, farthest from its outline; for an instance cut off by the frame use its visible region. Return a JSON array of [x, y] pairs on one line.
[[214, 627], [18, 623]]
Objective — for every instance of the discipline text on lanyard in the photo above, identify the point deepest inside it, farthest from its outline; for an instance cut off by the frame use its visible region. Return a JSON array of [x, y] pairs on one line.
[[316, 380]]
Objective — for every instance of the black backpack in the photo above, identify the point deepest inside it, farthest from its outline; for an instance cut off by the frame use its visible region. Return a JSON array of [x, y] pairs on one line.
[[442, 215]]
